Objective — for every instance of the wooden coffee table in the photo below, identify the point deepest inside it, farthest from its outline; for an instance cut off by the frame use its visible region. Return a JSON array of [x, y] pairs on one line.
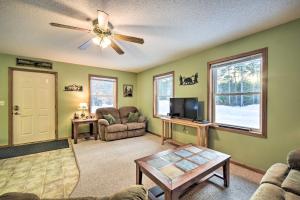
[[175, 170]]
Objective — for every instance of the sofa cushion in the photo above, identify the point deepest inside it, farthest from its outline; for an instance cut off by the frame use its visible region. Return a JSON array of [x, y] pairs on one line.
[[142, 119], [275, 174], [268, 191], [133, 117], [116, 128], [135, 125], [105, 111], [294, 159], [292, 182], [110, 119], [124, 112]]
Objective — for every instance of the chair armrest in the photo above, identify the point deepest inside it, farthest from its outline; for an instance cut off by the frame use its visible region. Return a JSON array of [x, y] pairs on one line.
[[135, 192], [103, 122], [293, 159], [19, 196], [142, 119]]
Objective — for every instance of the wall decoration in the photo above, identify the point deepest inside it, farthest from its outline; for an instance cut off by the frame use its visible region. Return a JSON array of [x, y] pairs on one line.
[[188, 80], [74, 87], [127, 90], [33, 63]]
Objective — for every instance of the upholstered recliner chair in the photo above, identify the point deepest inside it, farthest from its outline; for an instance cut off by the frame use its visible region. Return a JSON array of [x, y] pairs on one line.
[[121, 128]]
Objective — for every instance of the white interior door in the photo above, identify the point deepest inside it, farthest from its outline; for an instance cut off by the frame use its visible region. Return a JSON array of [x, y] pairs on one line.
[[33, 107]]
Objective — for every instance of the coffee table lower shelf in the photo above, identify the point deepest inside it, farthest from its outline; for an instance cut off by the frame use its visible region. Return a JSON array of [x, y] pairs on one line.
[[156, 193]]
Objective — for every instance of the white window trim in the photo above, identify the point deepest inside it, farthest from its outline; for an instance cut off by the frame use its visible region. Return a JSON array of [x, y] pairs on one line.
[[104, 78], [155, 78], [263, 105]]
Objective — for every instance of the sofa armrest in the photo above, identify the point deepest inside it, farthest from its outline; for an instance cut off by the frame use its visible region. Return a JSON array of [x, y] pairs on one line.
[[142, 119], [103, 122], [135, 192], [293, 159]]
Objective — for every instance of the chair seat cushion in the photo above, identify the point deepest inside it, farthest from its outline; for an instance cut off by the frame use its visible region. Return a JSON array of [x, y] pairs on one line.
[[292, 182], [275, 174], [268, 191], [135, 125], [116, 128]]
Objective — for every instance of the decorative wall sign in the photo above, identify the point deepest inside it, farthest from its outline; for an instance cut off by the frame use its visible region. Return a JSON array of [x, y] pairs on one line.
[[33, 63], [74, 87], [127, 90], [188, 80]]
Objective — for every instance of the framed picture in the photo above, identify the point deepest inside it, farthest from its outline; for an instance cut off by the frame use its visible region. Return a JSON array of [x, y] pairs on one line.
[[127, 90]]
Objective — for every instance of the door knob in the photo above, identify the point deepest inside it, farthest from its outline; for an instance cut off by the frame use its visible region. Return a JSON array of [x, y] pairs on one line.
[[16, 113]]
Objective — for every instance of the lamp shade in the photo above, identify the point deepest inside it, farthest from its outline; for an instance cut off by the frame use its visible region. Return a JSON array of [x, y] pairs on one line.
[[83, 106]]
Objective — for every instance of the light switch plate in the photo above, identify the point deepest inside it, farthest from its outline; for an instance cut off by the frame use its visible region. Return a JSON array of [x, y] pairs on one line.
[[2, 103]]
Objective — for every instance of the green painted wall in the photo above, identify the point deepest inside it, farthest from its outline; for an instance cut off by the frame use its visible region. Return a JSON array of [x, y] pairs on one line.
[[283, 96], [68, 102]]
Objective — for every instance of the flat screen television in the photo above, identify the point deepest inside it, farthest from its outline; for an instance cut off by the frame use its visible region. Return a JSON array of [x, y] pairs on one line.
[[188, 108]]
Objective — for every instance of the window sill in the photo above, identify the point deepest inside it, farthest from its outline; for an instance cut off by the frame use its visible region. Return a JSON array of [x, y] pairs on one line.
[[239, 131]]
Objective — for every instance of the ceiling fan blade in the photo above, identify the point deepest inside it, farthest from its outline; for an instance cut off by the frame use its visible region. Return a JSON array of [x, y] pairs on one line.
[[85, 45], [102, 19], [129, 38], [69, 27], [116, 48]]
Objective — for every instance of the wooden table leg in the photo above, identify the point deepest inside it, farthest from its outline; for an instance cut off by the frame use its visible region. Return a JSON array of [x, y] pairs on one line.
[[139, 175], [226, 172], [169, 130], [75, 132], [91, 129], [198, 136], [96, 130], [171, 195], [162, 131], [72, 134], [203, 137]]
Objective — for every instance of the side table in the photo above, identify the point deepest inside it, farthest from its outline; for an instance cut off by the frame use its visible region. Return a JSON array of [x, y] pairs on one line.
[[77, 122]]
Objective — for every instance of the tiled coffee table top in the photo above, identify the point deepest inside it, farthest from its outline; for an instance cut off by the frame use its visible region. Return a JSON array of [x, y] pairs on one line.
[[174, 164]]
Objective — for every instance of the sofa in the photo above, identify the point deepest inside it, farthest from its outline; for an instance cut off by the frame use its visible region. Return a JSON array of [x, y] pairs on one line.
[[136, 192], [281, 181], [121, 128]]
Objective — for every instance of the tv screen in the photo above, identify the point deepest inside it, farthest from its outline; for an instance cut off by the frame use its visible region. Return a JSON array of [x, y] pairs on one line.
[[185, 108]]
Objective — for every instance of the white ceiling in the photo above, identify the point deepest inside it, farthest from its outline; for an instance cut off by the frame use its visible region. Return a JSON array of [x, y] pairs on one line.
[[172, 29]]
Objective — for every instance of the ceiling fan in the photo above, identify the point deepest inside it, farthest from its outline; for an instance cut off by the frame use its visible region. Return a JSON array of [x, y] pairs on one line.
[[104, 36]]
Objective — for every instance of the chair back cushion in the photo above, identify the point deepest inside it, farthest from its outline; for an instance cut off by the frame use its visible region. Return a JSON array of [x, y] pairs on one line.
[[105, 111], [293, 159], [124, 112]]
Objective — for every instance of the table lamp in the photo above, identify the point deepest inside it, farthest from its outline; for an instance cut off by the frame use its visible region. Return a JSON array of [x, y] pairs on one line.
[[83, 107]]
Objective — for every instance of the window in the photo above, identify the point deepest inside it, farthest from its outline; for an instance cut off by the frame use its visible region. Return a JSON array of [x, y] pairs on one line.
[[103, 92], [163, 90], [238, 92]]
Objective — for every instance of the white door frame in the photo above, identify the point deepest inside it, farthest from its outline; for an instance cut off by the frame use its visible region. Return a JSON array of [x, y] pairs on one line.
[[10, 100]]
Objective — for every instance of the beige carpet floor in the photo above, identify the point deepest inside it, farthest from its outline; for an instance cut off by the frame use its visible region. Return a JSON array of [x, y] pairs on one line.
[[107, 167]]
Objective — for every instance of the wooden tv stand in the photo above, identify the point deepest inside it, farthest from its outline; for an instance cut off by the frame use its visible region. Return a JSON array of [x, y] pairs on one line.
[[202, 130]]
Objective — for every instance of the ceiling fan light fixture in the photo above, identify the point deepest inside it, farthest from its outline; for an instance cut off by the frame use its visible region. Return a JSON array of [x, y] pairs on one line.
[[102, 20], [102, 42], [105, 42]]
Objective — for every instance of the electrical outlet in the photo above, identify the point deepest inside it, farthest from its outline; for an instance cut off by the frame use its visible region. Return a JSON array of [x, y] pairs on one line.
[[2, 103]]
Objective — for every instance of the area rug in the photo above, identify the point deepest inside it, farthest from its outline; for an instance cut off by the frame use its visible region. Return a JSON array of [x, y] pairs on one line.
[[9, 152], [107, 167], [51, 174]]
